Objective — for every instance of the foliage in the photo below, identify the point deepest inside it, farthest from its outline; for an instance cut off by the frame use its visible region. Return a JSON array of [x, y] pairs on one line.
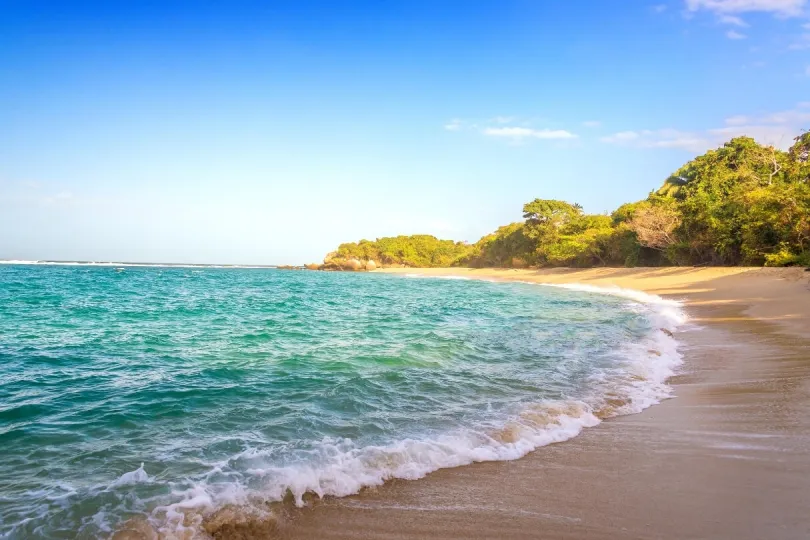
[[419, 250], [502, 247], [742, 203]]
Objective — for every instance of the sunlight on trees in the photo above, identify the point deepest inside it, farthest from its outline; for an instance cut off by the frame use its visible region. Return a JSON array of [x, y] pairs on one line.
[[742, 203]]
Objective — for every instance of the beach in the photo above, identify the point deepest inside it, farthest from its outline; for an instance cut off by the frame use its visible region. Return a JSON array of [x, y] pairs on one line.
[[499, 410], [728, 457]]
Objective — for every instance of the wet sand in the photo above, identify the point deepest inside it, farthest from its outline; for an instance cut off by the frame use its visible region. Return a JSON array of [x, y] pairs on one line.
[[728, 458]]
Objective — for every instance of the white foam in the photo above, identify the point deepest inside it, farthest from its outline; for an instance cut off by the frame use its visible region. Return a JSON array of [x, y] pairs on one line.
[[138, 476], [344, 468], [423, 276], [648, 364]]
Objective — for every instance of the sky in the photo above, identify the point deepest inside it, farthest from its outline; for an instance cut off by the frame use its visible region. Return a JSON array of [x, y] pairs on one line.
[[268, 132]]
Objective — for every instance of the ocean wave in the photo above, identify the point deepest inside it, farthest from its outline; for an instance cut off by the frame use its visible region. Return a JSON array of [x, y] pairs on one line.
[[345, 469], [138, 476], [342, 468], [234, 479]]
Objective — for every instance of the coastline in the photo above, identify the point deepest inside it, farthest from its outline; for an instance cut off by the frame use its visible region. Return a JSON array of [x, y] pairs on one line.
[[728, 458]]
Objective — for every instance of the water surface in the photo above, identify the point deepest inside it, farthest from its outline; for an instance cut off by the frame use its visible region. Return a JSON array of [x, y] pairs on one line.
[[166, 393]]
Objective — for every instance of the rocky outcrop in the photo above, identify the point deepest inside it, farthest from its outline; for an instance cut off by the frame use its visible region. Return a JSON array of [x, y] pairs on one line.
[[336, 264], [354, 264], [312, 266]]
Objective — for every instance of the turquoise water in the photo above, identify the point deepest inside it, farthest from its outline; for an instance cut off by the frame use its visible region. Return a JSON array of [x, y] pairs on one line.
[[167, 393]]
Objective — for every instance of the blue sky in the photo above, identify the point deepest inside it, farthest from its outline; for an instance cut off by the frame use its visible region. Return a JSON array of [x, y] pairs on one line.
[[269, 132]]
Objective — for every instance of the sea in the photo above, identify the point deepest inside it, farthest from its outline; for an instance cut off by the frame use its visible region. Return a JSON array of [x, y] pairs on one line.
[[160, 395]]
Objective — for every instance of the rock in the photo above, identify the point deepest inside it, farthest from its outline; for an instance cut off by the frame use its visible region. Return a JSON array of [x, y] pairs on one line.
[[371, 265], [667, 332], [137, 528], [312, 266], [354, 264]]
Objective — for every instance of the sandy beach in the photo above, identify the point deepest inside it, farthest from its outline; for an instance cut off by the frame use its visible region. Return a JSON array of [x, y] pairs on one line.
[[728, 457]]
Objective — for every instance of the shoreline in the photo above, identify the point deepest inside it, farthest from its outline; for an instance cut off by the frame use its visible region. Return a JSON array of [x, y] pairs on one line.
[[771, 295], [729, 457]]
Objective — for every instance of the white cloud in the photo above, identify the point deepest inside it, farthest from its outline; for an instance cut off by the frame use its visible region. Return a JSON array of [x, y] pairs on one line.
[[592, 123], [732, 34], [453, 125], [621, 137], [777, 129], [782, 8], [519, 133], [733, 20], [659, 8]]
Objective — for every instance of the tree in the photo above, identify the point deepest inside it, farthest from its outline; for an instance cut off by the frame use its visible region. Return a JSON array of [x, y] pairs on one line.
[[800, 151], [549, 211], [655, 226]]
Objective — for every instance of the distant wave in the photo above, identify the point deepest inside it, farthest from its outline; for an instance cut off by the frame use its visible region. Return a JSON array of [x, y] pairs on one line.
[[127, 264], [423, 276]]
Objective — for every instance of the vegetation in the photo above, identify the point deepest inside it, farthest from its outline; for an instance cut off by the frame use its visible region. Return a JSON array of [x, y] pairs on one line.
[[740, 204], [419, 250]]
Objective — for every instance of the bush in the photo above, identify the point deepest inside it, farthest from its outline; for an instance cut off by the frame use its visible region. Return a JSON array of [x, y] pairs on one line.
[[784, 257]]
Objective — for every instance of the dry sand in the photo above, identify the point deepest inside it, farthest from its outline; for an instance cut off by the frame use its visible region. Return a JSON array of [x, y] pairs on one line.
[[728, 458]]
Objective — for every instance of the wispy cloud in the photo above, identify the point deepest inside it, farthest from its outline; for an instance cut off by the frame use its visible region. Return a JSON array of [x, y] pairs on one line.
[[781, 8], [519, 130], [59, 199], [802, 43], [732, 20], [34, 193], [662, 138], [621, 137], [503, 119], [659, 8], [733, 34], [519, 133], [777, 129], [739, 120], [592, 123]]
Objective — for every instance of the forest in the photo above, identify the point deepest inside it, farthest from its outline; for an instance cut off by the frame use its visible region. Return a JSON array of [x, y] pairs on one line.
[[740, 204]]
